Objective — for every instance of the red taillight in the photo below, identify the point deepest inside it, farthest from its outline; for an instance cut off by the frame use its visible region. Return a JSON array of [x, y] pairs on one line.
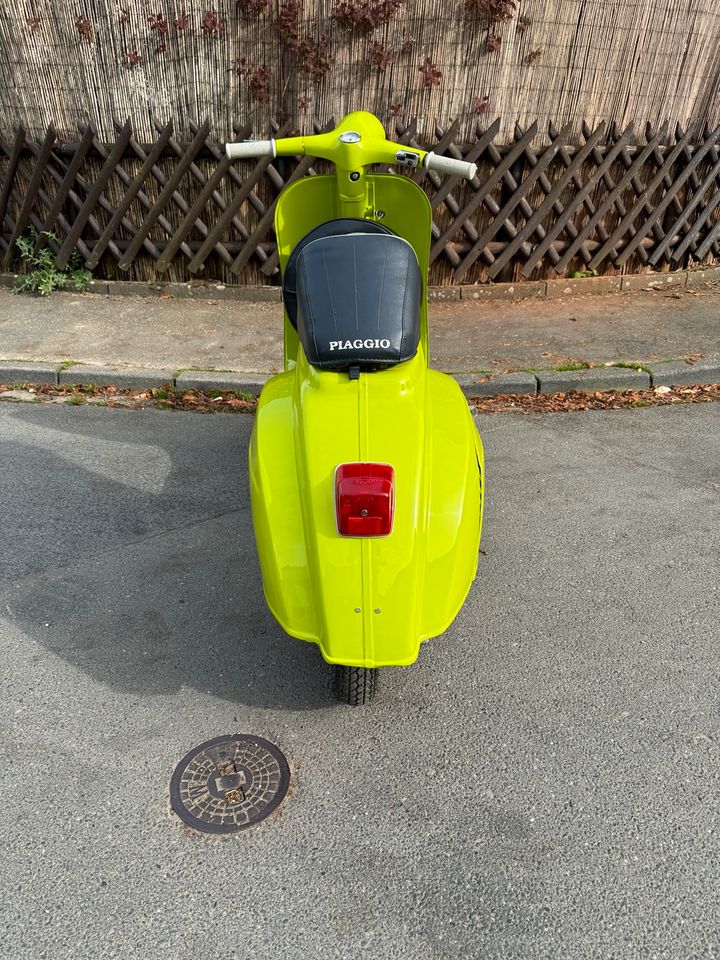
[[364, 499]]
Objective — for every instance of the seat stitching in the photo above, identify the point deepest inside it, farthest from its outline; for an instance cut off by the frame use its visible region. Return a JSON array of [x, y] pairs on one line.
[[402, 311], [382, 287], [355, 285]]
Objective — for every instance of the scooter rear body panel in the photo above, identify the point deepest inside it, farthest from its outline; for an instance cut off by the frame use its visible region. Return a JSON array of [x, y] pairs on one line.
[[370, 601]]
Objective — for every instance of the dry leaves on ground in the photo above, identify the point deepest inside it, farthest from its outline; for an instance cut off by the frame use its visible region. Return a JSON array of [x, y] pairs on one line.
[[614, 400], [230, 401]]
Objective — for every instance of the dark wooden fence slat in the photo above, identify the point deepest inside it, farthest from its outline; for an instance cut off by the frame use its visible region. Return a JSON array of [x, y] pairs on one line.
[[598, 154], [450, 251], [148, 205], [193, 214], [166, 194], [694, 231], [663, 204], [255, 202], [567, 154], [525, 209], [586, 231], [229, 217], [449, 183], [35, 181], [104, 204], [547, 186], [66, 226], [548, 202], [634, 212], [685, 215], [613, 198], [58, 176], [604, 200], [199, 177], [13, 154], [638, 187], [93, 196], [131, 192], [504, 214], [676, 205], [485, 188], [266, 222], [482, 195], [64, 187], [272, 264], [637, 178], [245, 192], [695, 183], [34, 219], [704, 248], [443, 187], [627, 158], [238, 225]]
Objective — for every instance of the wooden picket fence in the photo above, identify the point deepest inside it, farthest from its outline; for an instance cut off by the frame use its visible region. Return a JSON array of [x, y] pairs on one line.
[[617, 202]]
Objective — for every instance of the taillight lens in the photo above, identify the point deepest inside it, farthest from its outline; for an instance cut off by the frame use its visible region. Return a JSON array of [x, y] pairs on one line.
[[364, 499]]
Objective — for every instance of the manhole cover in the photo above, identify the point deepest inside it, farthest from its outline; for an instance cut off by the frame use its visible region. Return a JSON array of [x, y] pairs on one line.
[[229, 783]]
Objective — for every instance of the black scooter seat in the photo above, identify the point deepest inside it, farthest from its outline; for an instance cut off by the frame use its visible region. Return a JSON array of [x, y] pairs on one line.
[[358, 301]]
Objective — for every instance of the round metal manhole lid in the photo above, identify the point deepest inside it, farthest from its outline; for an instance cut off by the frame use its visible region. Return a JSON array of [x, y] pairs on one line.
[[229, 783]]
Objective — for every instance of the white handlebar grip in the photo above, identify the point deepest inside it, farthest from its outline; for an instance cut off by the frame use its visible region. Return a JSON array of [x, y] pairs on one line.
[[250, 148], [453, 168]]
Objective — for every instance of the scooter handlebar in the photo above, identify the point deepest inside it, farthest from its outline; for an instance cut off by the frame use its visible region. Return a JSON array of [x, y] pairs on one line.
[[393, 153], [451, 167], [250, 148]]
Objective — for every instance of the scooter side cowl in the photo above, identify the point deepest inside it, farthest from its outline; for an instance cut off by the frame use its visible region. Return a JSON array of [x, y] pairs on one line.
[[366, 601]]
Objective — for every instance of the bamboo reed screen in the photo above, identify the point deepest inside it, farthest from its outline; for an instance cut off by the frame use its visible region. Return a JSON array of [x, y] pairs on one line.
[[619, 61]]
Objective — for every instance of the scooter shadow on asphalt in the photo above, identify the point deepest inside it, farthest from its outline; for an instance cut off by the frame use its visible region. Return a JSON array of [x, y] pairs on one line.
[[150, 591]]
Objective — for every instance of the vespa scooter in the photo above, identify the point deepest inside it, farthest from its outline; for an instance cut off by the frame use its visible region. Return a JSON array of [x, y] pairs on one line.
[[366, 470]]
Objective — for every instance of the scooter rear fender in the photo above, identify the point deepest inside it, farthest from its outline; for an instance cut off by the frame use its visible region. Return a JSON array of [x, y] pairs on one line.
[[370, 601]]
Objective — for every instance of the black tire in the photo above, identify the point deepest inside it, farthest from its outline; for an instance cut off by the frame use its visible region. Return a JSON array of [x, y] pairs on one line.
[[355, 685]]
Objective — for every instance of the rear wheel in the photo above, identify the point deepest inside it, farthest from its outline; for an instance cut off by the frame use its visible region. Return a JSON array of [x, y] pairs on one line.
[[355, 685]]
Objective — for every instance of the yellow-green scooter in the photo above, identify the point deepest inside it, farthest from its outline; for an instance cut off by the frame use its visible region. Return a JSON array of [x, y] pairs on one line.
[[366, 470]]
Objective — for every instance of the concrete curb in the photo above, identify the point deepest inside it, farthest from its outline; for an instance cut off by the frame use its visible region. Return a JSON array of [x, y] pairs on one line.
[[588, 381], [679, 373], [124, 378], [670, 373], [476, 385], [543, 289], [207, 380], [22, 371]]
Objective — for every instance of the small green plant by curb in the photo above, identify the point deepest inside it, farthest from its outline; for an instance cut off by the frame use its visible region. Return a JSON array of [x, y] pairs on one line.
[[45, 276], [633, 366], [580, 365], [561, 368], [583, 274]]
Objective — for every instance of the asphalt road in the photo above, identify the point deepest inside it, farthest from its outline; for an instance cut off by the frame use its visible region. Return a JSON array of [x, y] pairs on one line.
[[543, 783]]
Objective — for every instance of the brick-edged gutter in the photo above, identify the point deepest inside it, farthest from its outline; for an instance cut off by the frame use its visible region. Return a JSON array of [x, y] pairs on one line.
[[603, 378], [536, 289]]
